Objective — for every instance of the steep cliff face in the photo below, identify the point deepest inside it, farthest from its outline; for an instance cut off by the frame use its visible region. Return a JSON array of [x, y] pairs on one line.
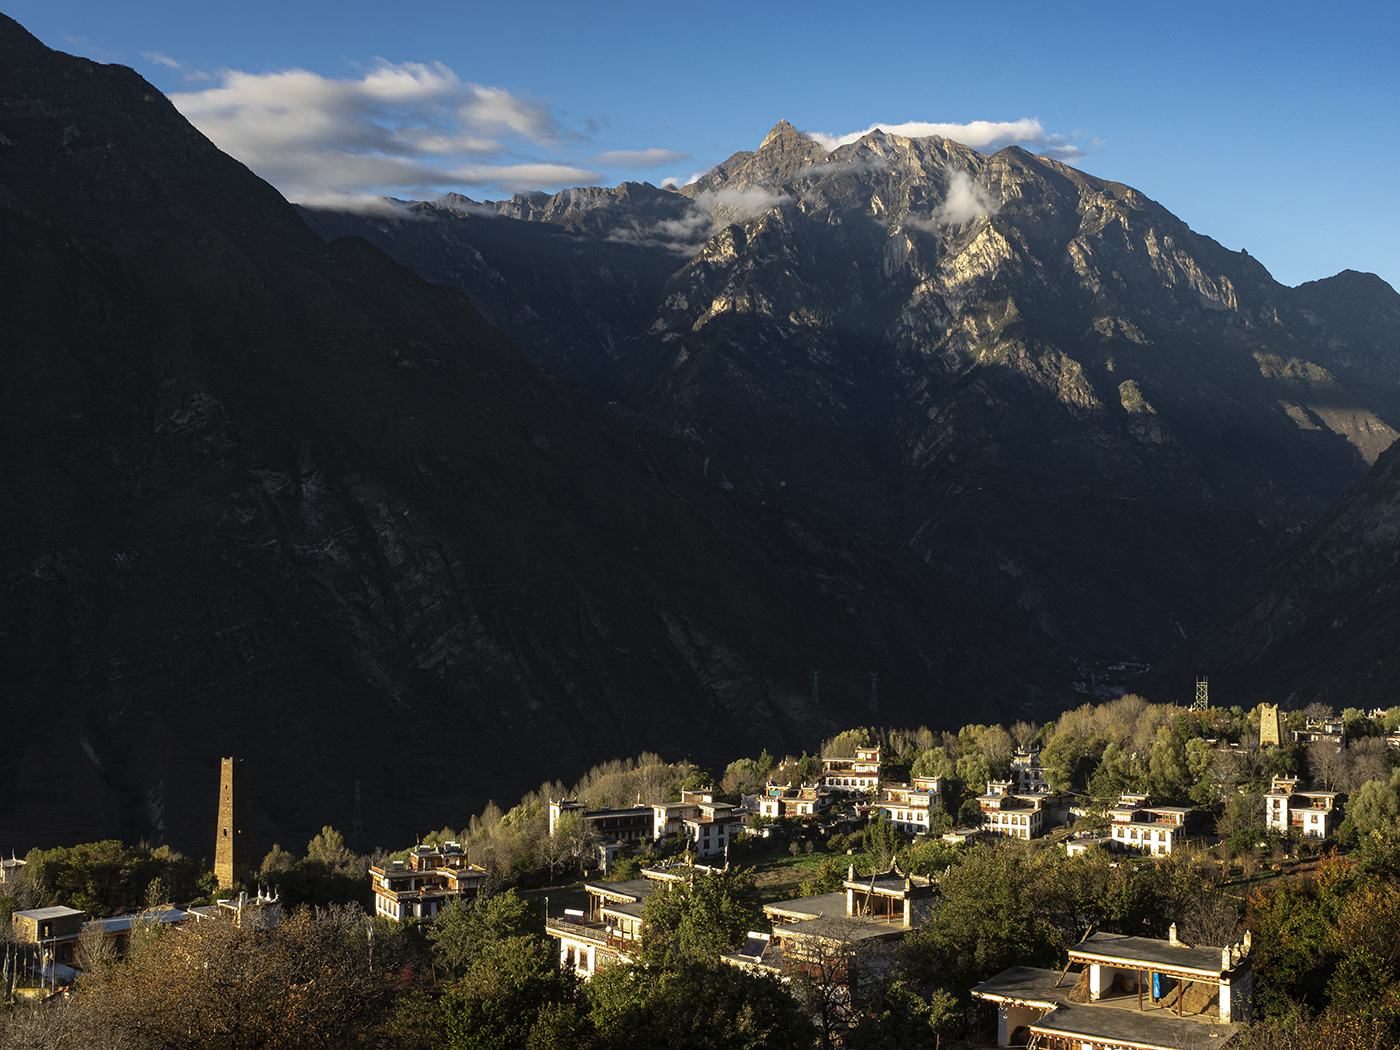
[[265, 496], [1044, 382]]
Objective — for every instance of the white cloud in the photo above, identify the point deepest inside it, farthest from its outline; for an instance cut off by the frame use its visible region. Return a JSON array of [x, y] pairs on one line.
[[158, 59], [983, 135], [678, 181], [639, 158], [524, 176], [832, 167], [709, 212], [361, 204], [966, 200], [410, 128]]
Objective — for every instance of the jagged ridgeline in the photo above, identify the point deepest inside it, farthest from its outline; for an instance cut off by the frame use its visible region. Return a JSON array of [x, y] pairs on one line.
[[268, 497], [1045, 382]]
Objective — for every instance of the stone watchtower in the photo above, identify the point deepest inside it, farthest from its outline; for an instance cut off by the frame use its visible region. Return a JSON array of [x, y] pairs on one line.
[[231, 849], [1270, 726]]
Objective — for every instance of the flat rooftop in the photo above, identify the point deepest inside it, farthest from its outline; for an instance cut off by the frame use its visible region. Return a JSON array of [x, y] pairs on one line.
[[1140, 1030], [840, 928], [119, 923], [809, 907], [1145, 953], [1028, 984], [623, 889], [58, 911], [633, 909]]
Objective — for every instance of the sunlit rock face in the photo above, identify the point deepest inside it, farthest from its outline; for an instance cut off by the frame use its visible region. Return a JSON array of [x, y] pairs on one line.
[[1045, 382], [268, 497]]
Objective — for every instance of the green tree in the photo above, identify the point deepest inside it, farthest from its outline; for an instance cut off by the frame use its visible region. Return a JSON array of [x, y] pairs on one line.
[[935, 762], [881, 842], [844, 744], [900, 1017], [466, 928], [1167, 774], [1376, 805], [329, 849], [827, 879], [701, 917], [277, 861], [991, 916], [106, 878], [693, 1006], [1069, 759], [809, 768], [974, 771], [512, 995]]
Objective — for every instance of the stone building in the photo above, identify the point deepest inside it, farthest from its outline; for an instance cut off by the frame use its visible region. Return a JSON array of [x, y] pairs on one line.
[[231, 846], [56, 928], [1270, 726]]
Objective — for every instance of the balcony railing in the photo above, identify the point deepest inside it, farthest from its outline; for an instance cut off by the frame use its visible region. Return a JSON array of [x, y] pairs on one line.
[[596, 932]]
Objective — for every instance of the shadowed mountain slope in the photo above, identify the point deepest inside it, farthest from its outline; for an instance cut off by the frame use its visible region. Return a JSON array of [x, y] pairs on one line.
[[1044, 382], [1322, 622], [267, 496]]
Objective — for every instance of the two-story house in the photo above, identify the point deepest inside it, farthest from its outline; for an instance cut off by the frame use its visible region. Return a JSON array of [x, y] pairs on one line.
[[426, 883], [607, 930], [1313, 813], [910, 806], [1007, 812], [853, 776], [809, 800], [1136, 825]]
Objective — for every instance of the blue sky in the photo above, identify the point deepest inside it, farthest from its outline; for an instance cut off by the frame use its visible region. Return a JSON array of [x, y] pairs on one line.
[[1271, 127]]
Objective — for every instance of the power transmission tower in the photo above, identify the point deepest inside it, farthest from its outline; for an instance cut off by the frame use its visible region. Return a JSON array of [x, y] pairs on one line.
[[816, 686], [1202, 694], [358, 825], [874, 693]]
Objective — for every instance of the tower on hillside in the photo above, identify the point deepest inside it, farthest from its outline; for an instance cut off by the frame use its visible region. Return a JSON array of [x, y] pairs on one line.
[[1270, 726], [231, 849], [1202, 694]]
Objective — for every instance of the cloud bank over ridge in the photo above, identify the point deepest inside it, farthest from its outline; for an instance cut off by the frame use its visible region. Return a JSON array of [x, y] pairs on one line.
[[982, 135], [414, 128]]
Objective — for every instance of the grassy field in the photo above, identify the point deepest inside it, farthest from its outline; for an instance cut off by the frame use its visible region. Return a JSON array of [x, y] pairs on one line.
[[779, 874]]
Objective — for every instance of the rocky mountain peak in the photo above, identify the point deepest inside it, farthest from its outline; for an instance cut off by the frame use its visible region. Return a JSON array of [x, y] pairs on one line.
[[973, 350], [779, 131]]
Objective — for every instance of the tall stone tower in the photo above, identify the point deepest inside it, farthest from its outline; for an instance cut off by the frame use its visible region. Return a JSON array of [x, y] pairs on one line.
[[1270, 726], [231, 850]]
